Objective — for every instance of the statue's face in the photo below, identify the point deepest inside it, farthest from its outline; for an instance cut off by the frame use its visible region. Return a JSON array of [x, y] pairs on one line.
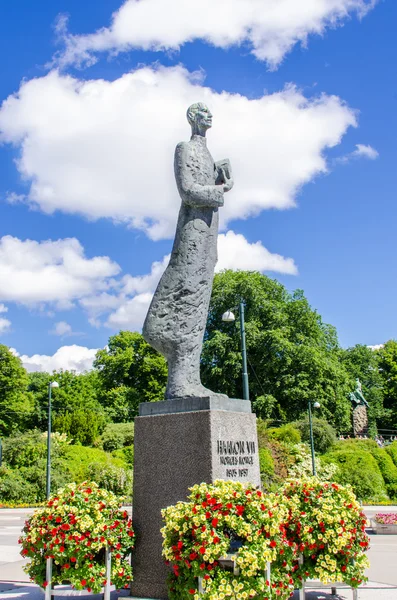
[[204, 118]]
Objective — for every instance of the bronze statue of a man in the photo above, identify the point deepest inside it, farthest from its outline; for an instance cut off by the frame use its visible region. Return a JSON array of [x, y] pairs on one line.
[[177, 316]]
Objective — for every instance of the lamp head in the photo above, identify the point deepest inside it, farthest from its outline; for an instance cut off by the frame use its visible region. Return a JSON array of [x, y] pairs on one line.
[[54, 384], [316, 405], [228, 317]]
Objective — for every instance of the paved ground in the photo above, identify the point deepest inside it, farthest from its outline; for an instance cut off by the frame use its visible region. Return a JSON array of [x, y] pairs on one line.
[[382, 573]]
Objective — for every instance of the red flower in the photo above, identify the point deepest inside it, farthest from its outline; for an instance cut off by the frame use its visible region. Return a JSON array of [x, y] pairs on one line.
[[61, 549], [66, 566], [65, 526], [214, 522], [193, 555], [192, 592], [73, 559], [216, 540], [273, 544], [202, 550]]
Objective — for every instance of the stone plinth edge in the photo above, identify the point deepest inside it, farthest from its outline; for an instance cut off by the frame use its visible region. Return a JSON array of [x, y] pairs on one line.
[[194, 404]]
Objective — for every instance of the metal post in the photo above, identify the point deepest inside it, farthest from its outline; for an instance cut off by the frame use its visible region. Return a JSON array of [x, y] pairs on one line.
[[311, 439], [48, 476], [268, 575], [108, 560], [302, 591], [48, 576], [246, 394], [1, 453]]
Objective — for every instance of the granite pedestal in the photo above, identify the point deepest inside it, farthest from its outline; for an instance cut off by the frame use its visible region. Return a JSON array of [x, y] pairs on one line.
[[212, 439]]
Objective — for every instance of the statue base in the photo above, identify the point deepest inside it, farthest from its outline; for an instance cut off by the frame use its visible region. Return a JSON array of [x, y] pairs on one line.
[[215, 439], [360, 420]]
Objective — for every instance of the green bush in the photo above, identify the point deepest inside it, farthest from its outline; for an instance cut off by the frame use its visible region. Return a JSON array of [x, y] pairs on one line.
[[110, 477], [324, 435], [388, 470], [355, 445], [266, 463], [25, 450], [288, 434], [391, 449], [117, 435], [361, 471], [126, 454], [81, 425], [14, 487]]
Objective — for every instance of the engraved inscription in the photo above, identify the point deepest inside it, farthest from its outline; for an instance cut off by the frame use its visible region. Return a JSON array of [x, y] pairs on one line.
[[237, 456]]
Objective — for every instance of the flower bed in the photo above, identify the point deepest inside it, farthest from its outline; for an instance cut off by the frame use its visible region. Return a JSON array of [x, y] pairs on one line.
[[312, 529], [385, 523], [74, 529]]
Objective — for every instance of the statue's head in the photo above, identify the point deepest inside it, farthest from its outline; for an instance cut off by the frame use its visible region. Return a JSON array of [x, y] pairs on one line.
[[199, 117]]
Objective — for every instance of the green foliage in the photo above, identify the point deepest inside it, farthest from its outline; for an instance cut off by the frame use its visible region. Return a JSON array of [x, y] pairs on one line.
[[391, 449], [129, 372], [387, 362], [15, 488], [295, 355], [16, 403], [24, 473], [76, 393], [323, 434], [126, 454], [388, 470], [303, 465], [288, 434], [361, 471], [117, 435], [82, 425], [266, 463]]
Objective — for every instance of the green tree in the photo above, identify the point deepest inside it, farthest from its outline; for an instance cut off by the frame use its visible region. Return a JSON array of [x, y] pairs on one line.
[[295, 356], [75, 407], [387, 362], [16, 403], [363, 363], [129, 372]]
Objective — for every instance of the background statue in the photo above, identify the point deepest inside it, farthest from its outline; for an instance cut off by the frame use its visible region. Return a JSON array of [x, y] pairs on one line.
[[357, 397], [360, 416], [177, 316]]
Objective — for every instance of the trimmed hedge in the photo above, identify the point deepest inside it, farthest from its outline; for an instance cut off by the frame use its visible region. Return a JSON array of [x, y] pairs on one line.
[[360, 470]]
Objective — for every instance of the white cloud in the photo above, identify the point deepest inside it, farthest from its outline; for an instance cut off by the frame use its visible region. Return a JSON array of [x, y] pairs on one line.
[[105, 148], [68, 358], [56, 272], [62, 328], [270, 28], [5, 325], [3, 308], [146, 283], [366, 151], [236, 253], [376, 346], [131, 313], [361, 151]]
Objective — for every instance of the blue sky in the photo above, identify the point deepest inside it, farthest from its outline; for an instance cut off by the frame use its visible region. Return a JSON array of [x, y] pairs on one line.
[[86, 150]]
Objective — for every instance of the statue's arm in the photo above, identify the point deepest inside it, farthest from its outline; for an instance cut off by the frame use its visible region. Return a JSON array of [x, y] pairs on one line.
[[193, 193]]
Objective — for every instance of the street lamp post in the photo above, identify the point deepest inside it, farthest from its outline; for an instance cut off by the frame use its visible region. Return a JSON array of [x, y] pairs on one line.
[[315, 405], [51, 385], [229, 317]]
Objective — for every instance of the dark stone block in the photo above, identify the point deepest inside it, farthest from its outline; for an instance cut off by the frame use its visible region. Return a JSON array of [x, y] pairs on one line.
[[194, 404], [172, 453]]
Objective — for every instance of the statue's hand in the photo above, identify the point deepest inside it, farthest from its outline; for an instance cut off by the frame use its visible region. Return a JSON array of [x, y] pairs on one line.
[[228, 182]]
